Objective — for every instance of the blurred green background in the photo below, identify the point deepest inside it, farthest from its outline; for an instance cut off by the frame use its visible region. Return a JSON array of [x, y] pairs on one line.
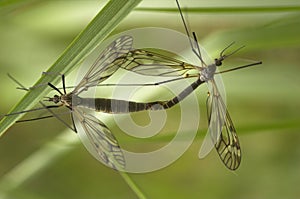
[[263, 101]]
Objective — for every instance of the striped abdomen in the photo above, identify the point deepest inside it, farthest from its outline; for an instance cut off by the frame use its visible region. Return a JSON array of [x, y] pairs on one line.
[[182, 95], [123, 106], [113, 105]]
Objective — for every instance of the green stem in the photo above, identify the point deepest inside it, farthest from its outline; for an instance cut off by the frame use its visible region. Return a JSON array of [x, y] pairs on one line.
[[132, 185]]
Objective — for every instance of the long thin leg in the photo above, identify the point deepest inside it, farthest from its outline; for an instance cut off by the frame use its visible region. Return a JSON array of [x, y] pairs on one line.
[[185, 26], [72, 118], [239, 67], [150, 84], [52, 86], [22, 87], [193, 42], [55, 115], [64, 83], [34, 119], [45, 84], [199, 52], [146, 84], [38, 118], [56, 74]]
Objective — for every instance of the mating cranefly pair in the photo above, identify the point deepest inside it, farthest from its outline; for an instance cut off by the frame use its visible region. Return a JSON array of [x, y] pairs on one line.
[[120, 54]]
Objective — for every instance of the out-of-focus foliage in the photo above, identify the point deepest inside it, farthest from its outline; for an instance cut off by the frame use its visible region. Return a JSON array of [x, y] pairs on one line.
[[263, 102]]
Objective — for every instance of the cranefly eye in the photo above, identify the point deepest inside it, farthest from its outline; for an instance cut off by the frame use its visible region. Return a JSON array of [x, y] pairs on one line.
[[56, 99], [218, 62]]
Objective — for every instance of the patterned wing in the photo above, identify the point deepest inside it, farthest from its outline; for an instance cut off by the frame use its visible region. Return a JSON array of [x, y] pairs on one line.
[[104, 65], [149, 63], [99, 140], [222, 134]]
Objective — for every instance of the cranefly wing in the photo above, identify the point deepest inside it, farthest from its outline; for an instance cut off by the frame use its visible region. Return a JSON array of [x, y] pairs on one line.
[[99, 140], [149, 63], [104, 65], [222, 133]]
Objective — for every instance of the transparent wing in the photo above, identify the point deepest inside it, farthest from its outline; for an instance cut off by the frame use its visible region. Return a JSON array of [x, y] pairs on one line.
[[104, 67], [222, 134], [148, 63], [98, 139]]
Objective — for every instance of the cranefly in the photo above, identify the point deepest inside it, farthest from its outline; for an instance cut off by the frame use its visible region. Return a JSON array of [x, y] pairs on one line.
[[222, 134], [101, 138]]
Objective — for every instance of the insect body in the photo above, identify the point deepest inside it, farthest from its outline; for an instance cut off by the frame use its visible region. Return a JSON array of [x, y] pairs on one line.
[[221, 129]]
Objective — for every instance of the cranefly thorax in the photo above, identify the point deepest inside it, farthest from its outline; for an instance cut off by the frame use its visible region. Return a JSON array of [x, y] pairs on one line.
[[207, 73], [67, 99]]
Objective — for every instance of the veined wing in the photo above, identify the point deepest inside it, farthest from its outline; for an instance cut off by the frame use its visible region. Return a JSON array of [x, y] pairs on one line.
[[104, 65], [99, 140], [153, 64], [222, 134]]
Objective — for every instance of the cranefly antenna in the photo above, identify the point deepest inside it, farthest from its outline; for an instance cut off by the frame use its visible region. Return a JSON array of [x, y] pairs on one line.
[[233, 52], [218, 61]]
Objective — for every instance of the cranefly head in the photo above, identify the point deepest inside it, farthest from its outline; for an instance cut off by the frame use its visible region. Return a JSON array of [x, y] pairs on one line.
[[55, 99], [222, 57]]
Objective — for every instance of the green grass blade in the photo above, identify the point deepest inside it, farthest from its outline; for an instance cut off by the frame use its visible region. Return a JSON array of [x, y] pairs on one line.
[[219, 10], [103, 24]]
